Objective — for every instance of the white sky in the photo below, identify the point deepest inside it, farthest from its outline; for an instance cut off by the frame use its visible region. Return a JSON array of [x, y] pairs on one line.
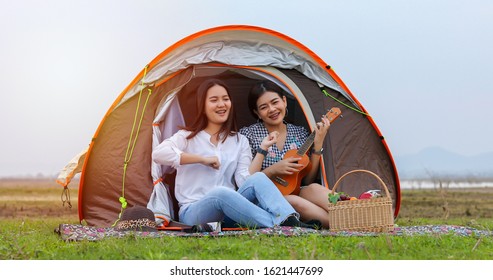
[[421, 68]]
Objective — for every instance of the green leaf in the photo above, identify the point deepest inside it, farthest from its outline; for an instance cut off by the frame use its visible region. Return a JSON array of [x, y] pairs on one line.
[[333, 198]]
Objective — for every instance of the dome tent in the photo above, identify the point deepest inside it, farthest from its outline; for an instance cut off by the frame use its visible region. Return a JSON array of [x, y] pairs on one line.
[[117, 168]]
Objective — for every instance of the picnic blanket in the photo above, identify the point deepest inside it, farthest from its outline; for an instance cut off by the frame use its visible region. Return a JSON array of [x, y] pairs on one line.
[[76, 232]]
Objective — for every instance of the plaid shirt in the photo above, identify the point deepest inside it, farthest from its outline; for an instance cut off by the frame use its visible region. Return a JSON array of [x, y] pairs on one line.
[[255, 133]]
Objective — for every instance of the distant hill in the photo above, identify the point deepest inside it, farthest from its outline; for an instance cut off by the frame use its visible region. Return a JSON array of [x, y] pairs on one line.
[[437, 161]]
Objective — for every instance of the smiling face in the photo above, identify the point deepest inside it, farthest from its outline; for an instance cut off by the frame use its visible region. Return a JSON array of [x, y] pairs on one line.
[[271, 108], [217, 105]]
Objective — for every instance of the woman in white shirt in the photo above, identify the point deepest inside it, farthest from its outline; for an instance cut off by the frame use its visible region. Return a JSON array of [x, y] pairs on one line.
[[208, 155]]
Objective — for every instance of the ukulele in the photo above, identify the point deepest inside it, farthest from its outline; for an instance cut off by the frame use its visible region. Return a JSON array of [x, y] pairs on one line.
[[290, 184]]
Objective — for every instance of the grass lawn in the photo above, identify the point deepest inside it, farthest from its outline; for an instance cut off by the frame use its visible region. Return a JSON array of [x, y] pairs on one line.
[[31, 210]]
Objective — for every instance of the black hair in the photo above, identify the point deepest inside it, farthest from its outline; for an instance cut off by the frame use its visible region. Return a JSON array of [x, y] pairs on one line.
[[200, 123], [258, 90]]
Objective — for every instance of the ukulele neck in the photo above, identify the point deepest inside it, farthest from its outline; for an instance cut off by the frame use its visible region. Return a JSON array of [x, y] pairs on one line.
[[308, 143]]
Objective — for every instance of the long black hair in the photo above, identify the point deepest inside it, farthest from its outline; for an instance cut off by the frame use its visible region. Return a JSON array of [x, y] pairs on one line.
[[229, 128]]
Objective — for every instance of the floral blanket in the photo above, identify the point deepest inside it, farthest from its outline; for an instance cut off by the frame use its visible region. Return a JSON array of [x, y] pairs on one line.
[[74, 232]]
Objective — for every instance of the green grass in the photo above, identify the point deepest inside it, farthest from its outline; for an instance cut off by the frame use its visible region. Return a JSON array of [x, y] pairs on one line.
[[30, 213], [34, 239]]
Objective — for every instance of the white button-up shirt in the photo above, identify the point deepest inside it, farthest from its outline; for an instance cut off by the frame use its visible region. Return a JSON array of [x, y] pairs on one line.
[[193, 181]]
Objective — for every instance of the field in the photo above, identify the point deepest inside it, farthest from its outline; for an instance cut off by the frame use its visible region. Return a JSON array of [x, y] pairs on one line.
[[42, 198], [30, 210], [35, 198]]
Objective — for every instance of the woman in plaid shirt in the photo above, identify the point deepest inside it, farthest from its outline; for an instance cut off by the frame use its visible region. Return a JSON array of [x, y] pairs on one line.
[[268, 102]]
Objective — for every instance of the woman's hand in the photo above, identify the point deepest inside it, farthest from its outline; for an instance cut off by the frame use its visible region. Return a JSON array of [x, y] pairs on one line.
[[211, 161], [269, 140], [320, 132], [286, 166]]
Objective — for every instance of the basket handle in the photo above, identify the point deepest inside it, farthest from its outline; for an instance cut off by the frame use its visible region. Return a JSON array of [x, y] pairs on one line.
[[365, 171]]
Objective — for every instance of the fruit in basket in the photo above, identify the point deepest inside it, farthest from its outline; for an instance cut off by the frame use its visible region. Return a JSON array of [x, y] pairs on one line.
[[338, 196], [365, 195], [370, 194], [344, 197]]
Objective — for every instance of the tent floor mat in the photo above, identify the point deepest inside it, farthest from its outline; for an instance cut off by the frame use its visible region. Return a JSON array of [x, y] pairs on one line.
[[77, 232]]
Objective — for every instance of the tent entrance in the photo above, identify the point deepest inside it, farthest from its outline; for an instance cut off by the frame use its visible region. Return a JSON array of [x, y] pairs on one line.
[[177, 108], [240, 79]]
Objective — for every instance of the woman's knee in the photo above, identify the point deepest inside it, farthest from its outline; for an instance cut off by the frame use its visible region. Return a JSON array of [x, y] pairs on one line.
[[316, 194], [258, 177], [314, 190], [258, 182], [222, 193], [313, 186]]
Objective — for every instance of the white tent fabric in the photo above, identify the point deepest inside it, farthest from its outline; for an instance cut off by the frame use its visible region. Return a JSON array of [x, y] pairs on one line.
[[73, 167], [160, 202], [236, 53]]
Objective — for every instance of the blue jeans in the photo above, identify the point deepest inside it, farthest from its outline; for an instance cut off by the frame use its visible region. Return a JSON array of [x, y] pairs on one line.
[[257, 203]]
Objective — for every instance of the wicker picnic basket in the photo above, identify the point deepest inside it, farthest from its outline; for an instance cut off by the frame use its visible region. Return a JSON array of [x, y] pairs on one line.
[[374, 214]]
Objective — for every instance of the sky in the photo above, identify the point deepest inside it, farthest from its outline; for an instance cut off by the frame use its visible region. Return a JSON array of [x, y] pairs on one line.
[[421, 68]]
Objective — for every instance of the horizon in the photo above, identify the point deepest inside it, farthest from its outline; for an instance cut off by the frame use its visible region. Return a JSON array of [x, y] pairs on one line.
[[422, 174]]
